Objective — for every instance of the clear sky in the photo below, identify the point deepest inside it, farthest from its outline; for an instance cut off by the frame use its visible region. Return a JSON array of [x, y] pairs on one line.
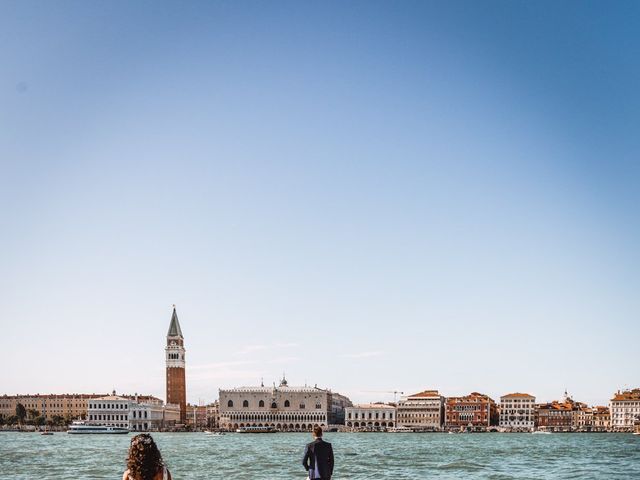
[[369, 196]]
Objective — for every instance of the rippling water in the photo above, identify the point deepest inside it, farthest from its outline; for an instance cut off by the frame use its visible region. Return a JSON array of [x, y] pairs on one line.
[[358, 456]]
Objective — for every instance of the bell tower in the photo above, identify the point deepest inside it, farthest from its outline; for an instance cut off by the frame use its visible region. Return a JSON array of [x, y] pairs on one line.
[[175, 363]]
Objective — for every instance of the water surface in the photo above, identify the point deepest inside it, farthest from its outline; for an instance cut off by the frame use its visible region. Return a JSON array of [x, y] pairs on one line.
[[358, 456]]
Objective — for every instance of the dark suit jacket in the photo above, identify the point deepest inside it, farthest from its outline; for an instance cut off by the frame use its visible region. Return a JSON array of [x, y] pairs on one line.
[[321, 452]]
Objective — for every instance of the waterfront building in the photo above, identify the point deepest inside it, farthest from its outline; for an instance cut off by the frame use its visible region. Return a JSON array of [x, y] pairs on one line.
[[72, 406], [517, 412], [583, 419], [138, 413], [213, 415], [473, 412], [558, 416], [625, 410], [601, 419], [175, 367], [421, 411], [339, 403], [283, 407], [197, 416], [370, 416]]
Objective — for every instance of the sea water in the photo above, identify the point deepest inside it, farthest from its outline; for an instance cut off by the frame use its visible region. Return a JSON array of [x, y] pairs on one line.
[[358, 456]]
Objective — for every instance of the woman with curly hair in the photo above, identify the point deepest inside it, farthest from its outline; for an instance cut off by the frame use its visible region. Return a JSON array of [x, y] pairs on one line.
[[144, 461]]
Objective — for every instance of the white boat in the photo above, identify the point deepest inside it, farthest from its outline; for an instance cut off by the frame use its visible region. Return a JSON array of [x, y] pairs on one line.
[[399, 430], [213, 434], [256, 430], [540, 432], [78, 428]]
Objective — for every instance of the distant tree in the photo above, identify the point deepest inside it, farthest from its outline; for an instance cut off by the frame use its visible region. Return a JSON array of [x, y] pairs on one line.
[[2, 420], [12, 420], [39, 420], [21, 412], [58, 420]]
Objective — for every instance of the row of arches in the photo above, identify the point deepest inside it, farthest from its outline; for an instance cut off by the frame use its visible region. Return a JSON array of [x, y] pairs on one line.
[[277, 417], [369, 424], [285, 427]]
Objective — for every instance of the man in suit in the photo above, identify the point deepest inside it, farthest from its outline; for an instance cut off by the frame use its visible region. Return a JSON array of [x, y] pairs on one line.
[[318, 457]]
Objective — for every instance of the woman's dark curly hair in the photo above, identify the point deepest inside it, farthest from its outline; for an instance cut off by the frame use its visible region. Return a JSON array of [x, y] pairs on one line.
[[144, 461]]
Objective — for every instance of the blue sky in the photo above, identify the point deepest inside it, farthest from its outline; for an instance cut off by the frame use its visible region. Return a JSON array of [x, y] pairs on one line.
[[369, 196]]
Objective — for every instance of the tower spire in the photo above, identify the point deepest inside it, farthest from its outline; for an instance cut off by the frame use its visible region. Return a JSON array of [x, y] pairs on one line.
[[174, 326]]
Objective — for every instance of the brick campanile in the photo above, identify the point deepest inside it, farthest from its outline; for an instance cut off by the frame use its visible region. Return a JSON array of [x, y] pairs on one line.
[[175, 361]]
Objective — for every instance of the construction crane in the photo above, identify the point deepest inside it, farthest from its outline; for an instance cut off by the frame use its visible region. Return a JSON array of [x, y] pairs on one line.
[[395, 393]]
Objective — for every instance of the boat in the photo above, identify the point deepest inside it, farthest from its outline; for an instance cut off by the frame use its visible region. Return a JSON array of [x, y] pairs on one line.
[[540, 432], [256, 430], [399, 430], [46, 432], [213, 434], [78, 428]]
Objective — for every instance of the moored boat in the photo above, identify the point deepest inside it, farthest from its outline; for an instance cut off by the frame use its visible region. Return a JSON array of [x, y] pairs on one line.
[[256, 430], [84, 428]]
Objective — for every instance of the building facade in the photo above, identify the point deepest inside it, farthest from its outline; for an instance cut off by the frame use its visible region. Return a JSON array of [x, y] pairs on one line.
[[421, 411], [68, 406], [601, 419], [283, 407], [517, 412], [583, 419], [559, 416], [137, 413], [625, 410], [213, 415], [370, 416], [175, 367], [473, 412], [339, 403], [197, 416]]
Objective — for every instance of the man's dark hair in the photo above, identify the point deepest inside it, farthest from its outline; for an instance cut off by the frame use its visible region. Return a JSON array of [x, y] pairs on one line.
[[317, 431]]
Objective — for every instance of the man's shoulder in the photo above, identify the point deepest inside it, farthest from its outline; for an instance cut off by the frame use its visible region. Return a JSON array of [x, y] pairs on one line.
[[315, 443]]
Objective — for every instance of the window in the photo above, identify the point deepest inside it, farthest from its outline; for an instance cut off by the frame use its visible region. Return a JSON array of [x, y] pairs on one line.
[[245, 404], [274, 405], [287, 404], [302, 406], [230, 403], [261, 404], [318, 406]]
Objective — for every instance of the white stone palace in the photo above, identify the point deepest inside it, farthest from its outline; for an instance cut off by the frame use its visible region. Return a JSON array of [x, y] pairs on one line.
[[517, 412], [138, 413], [625, 410], [283, 407], [370, 416]]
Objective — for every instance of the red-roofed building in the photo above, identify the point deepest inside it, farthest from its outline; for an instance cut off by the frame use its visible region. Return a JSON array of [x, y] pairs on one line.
[[474, 412], [558, 416]]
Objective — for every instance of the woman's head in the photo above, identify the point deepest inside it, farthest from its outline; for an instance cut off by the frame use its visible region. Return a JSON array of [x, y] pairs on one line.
[[144, 459]]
